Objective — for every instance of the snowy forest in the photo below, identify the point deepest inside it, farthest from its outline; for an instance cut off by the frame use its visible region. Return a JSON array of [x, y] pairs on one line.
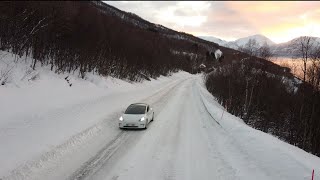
[[93, 37]]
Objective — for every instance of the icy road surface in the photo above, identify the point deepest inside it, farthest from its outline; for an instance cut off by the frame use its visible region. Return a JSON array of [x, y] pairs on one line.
[[189, 139]]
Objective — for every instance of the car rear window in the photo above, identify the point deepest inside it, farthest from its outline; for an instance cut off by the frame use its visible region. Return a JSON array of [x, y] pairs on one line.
[[136, 109]]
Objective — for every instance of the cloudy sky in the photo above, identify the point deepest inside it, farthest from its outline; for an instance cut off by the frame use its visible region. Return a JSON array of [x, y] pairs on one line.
[[230, 20]]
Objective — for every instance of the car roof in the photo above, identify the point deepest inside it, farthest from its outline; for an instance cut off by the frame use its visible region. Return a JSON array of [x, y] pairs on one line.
[[144, 104]]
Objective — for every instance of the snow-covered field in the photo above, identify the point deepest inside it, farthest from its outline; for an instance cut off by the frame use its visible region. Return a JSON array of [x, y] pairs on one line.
[[49, 130]]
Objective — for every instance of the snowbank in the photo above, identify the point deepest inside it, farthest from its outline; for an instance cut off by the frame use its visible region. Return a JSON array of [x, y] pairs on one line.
[[274, 157]]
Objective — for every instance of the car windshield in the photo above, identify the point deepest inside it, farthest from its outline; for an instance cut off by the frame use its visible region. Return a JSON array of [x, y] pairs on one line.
[[136, 109]]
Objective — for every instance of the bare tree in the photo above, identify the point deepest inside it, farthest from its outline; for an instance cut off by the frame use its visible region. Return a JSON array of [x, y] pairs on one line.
[[251, 47], [265, 52], [314, 70], [304, 45]]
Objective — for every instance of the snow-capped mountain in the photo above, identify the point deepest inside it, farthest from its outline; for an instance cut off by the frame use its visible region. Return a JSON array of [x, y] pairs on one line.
[[290, 48], [287, 49], [260, 39], [215, 40]]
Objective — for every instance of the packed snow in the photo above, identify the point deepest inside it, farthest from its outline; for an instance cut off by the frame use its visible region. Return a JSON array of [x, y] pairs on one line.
[[51, 130], [217, 54]]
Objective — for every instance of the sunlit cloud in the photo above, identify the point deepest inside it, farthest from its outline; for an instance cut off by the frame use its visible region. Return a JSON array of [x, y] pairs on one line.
[[183, 14], [279, 20]]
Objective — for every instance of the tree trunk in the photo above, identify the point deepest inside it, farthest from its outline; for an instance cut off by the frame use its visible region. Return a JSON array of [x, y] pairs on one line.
[[34, 64], [250, 100], [304, 124], [246, 98], [304, 69]]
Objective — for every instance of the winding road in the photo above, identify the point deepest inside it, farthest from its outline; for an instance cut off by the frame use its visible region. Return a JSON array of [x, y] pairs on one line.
[[190, 138]]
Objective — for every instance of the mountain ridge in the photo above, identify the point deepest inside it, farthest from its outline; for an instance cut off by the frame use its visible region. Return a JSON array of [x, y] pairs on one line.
[[279, 49]]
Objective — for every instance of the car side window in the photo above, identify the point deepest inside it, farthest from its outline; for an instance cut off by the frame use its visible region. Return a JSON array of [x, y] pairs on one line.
[[147, 108]]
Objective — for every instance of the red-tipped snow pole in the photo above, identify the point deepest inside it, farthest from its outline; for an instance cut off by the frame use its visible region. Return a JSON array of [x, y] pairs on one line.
[[312, 174]]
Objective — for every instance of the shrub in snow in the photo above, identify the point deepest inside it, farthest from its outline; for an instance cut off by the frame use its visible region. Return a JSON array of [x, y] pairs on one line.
[[5, 72], [68, 81], [202, 66], [34, 77], [3, 78]]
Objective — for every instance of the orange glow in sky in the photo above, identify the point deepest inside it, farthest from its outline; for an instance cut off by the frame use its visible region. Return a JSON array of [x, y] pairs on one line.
[[280, 21]]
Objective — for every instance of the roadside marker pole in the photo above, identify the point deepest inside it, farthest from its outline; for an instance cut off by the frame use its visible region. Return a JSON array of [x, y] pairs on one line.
[[223, 112], [312, 174]]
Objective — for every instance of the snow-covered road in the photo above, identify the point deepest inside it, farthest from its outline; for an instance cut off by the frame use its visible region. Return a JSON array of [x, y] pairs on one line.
[[188, 139]]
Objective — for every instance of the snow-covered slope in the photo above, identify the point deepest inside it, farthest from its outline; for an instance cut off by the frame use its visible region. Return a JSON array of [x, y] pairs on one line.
[[49, 130]]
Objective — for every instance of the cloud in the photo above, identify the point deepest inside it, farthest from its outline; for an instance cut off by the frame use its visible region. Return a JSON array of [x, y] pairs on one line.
[[280, 21], [226, 23], [230, 20], [184, 14]]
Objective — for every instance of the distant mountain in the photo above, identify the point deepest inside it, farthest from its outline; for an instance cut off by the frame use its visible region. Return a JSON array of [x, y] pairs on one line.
[[261, 39], [286, 49], [214, 39], [290, 49]]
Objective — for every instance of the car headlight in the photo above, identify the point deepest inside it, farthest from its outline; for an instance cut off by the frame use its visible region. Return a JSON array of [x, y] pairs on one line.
[[142, 119], [121, 118]]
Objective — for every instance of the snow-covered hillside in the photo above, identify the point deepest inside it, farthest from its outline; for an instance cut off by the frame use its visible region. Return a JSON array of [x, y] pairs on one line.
[[51, 130]]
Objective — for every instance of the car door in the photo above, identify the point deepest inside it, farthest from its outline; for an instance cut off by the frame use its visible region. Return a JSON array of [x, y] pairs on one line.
[[151, 112], [148, 114]]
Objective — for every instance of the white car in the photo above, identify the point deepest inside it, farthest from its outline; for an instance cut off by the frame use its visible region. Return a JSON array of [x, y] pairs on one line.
[[137, 115]]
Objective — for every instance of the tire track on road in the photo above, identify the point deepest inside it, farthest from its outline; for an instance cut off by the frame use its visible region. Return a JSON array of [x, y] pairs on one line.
[[44, 164], [101, 158]]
